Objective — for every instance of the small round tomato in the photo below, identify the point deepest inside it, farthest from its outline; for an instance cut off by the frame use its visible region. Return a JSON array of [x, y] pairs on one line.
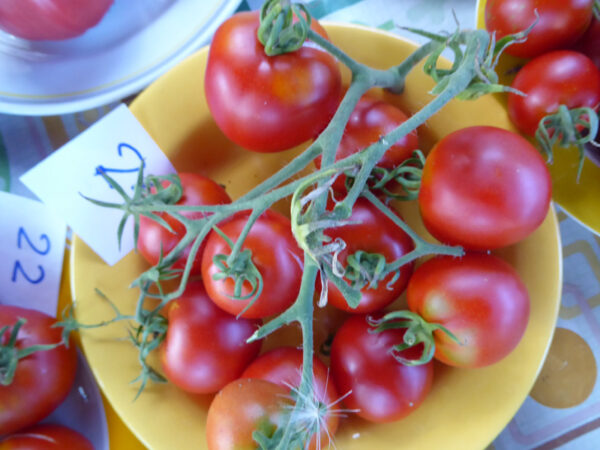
[[480, 298], [283, 366], [30, 396], [484, 188], [375, 234], [154, 238], [46, 437], [242, 407], [268, 103], [560, 23], [371, 119], [562, 77], [380, 388], [50, 19], [205, 348], [274, 253]]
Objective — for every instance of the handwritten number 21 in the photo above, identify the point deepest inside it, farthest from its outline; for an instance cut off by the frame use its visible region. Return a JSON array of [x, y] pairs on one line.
[[42, 249]]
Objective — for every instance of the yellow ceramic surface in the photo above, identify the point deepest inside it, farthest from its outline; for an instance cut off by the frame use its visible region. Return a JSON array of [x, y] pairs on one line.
[[466, 408], [578, 199], [120, 437]]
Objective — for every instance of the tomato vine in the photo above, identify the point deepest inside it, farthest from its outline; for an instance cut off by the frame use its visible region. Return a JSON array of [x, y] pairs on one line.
[[470, 76]]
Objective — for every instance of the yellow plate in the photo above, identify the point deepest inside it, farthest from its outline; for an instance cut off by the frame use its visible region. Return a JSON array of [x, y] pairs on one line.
[[579, 200], [466, 408]]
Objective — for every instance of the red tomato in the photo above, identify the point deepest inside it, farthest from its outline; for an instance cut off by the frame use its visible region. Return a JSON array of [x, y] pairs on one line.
[[274, 253], [205, 348], [562, 77], [268, 103], [46, 437], [381, 388], [283, 366], [50, 19], [375, 234], [240, 408], [484, 188], [371, 119], [197, 190], [589, 43], [560, 23], [480, 298], [31, 397]]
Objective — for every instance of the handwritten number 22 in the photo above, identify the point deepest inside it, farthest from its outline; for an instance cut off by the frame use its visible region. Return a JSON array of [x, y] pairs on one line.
[[42, 249]]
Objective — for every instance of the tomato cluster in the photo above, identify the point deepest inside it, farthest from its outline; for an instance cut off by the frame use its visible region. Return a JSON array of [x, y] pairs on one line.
[[482, 188], [558, 86]]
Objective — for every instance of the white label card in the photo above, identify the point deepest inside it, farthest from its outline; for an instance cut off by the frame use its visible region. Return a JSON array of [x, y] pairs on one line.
[[32, 251], [117, 144]]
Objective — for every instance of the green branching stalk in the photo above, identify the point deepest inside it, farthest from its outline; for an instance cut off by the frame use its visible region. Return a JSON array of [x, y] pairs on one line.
[[470, 76]]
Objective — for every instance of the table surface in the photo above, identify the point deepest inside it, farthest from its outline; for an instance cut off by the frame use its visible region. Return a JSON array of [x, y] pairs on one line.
[[563, 409]]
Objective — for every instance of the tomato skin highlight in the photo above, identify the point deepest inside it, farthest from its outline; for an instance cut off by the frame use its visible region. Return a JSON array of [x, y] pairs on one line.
[[484, 188], [153, 237], [46, 437], [283, 366], [276, 255], [560, 23], [383, 389], [562, 77], [205, 348], [31, 397], [241, 407], [480, 298], [268, 104], [50, 19], [375, 233]]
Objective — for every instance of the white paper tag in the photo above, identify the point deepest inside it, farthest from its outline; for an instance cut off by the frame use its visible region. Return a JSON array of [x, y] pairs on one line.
[[32, 251], [117, 143]]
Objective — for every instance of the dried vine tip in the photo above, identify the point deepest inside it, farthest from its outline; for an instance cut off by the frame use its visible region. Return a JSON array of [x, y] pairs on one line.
[[283, 26]]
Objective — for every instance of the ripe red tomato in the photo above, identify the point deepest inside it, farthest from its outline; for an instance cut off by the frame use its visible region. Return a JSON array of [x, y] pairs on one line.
[[375, 234], [381, 388], [240, 408], [153, 237], [46, 437], [31, 397], [560, 23], [589, 43], [480, 298], [283, 366], [562, 77], [274, 253], [484, 188], [50, 19], [371, 119], [205, 348], [268, 103]]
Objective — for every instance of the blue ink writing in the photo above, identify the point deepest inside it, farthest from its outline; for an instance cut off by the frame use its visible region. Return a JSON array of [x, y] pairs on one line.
[[105, 170], [41, 249]]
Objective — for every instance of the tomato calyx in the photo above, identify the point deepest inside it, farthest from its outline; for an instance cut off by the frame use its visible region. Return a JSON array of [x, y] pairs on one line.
[[10, 355], [485, 79], [278, 31], [407, 175], [418, 331], [567, 127], [143, 201], [239, 266]]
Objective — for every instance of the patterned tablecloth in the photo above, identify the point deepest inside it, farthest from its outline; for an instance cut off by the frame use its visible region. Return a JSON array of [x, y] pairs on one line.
[[563, 409]]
